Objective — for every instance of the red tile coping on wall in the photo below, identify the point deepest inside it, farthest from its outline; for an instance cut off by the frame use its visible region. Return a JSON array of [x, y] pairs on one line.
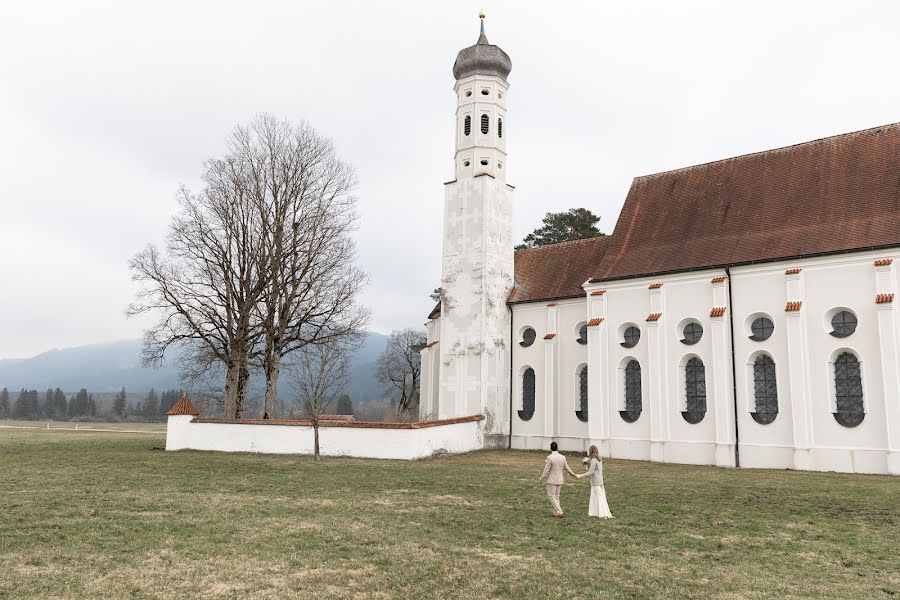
[[654, 286], [356, 424], [653, 317], [793, 306], [718, 279], [594, 322], [336, 418], [549, 336], [717, 311], [793, 271], [884, 298], [883, 262], [551, 305], [430, 345], [182, 407], [598, 292]]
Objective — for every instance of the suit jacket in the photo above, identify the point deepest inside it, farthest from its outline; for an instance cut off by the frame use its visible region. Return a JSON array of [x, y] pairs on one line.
[[554, 467]]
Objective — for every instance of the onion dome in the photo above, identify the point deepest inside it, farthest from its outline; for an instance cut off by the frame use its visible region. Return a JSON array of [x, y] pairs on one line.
[[482, 59]]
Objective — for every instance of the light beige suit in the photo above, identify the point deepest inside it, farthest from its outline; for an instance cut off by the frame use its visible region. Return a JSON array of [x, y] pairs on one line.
[[553, 475]]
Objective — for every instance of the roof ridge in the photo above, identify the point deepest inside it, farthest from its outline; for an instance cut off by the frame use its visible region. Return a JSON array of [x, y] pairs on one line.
[[588, 239], [769, 151]]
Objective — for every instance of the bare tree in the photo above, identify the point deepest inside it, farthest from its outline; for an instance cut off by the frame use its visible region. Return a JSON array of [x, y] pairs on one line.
[[313, 285], [400, 366], [320, 372], [206, 289]]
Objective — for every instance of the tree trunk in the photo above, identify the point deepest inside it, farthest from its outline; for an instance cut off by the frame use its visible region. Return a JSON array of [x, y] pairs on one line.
[[316, 438], [242, 382], [231, 389], [273, 369]]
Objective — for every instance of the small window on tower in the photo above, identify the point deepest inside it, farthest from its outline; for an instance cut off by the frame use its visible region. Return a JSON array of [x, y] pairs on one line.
[[484, 162], [485, 92], [484, 123], [466, 163], [500, 127], [468, 93], [467, 125]]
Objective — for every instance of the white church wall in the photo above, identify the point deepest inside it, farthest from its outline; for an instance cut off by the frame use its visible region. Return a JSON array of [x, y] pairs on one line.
[[529, 434], [571, 432]]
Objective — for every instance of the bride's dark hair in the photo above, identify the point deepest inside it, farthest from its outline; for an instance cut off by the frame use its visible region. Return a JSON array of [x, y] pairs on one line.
[[594, 453]]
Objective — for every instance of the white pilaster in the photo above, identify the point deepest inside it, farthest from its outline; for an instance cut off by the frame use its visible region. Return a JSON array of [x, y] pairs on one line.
[[658, 375], [798, 369], [722, 389], [598, 397], [885, 302]]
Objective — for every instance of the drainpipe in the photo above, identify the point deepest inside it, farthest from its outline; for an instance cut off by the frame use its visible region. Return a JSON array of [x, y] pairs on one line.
[[737, 452], [512, 345]]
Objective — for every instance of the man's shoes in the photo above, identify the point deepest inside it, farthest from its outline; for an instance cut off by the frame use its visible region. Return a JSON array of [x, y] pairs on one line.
[[560, 515]]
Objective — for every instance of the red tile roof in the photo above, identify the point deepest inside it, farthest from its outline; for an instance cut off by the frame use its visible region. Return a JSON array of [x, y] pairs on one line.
[[654, 286], [436, 312], [183, 407], [718, 279], [793, 271], [594, 322], [653, 317], [598, 292], [793, 306], [830, 195], [717, 311], [549, 336], [884, 298], [556, 271], [883, 262]]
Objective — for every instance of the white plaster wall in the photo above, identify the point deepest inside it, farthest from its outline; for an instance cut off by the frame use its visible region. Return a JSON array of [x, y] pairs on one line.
[[400, 444]]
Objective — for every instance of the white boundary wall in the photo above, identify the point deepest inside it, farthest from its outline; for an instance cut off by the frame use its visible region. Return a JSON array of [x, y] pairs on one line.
[[403, 442]]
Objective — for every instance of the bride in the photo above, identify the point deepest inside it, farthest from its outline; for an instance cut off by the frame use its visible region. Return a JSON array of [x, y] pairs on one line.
[[598, 506]]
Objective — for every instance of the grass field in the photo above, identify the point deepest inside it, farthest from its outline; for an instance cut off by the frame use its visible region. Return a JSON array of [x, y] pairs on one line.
[[106, 515]]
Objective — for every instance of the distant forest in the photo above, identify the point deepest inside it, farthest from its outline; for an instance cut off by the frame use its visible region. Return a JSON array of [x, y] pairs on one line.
[[56, 405]]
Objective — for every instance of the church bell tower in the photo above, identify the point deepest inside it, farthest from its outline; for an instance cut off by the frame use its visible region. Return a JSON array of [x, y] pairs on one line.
[[478, 247]]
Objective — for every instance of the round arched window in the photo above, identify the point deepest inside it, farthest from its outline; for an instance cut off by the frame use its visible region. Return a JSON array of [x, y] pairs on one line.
[[632, 392], [843, 324], [631, 337], [527, 395], [582, 412], [848, 391], [484, 123], [692, 333], [694, 391], [762, 329], [528, 337], [582, 334], [765, 390]]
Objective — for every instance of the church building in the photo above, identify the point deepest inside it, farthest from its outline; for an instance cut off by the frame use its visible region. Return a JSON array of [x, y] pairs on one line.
[[742, 312]]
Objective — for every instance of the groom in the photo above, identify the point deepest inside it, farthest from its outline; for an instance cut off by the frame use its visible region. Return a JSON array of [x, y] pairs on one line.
[[553, 474]]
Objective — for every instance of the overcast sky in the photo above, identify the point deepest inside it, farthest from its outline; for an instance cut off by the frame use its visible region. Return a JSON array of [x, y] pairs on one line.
[[105, 108]]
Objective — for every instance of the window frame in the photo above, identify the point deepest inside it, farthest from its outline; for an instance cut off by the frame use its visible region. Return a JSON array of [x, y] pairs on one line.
[[770, 411], [630, 414]]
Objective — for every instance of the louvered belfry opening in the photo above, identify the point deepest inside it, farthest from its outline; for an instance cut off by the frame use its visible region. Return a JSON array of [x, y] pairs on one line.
[[485, 121], [467, 125]]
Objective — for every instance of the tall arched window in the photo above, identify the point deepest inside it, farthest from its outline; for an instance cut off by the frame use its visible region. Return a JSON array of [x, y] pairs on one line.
[[633, 396], [484, 123], [694, 391], [765, 390], [848, 391], [582, 412], [467, 125], [499, 127], [527, 395]]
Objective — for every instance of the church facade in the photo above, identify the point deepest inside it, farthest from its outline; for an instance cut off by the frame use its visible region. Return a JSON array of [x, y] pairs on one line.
[[742, 312]]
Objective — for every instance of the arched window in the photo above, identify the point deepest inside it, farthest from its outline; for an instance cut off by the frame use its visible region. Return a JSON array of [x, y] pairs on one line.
[[843, 324], [484, 123], [765, 390], [528, 337], [848, 391], [527, 395], [762, 329], [499, 127], [633, 397], [694, 391], [582, 334], [632, 336], [582, 412], [467, 125]]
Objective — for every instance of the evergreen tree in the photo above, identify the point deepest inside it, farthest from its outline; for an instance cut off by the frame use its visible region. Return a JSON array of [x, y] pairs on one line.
[[574, 224], [91, 409], [23, 405], [48, 408], [120, 403], [345, 405], [78, 407], [138, 410], [151, 406], [4, 403], [59, 403]]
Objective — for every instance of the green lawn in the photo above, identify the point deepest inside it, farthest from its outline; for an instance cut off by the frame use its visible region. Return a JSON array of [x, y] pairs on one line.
[[91, 515]]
